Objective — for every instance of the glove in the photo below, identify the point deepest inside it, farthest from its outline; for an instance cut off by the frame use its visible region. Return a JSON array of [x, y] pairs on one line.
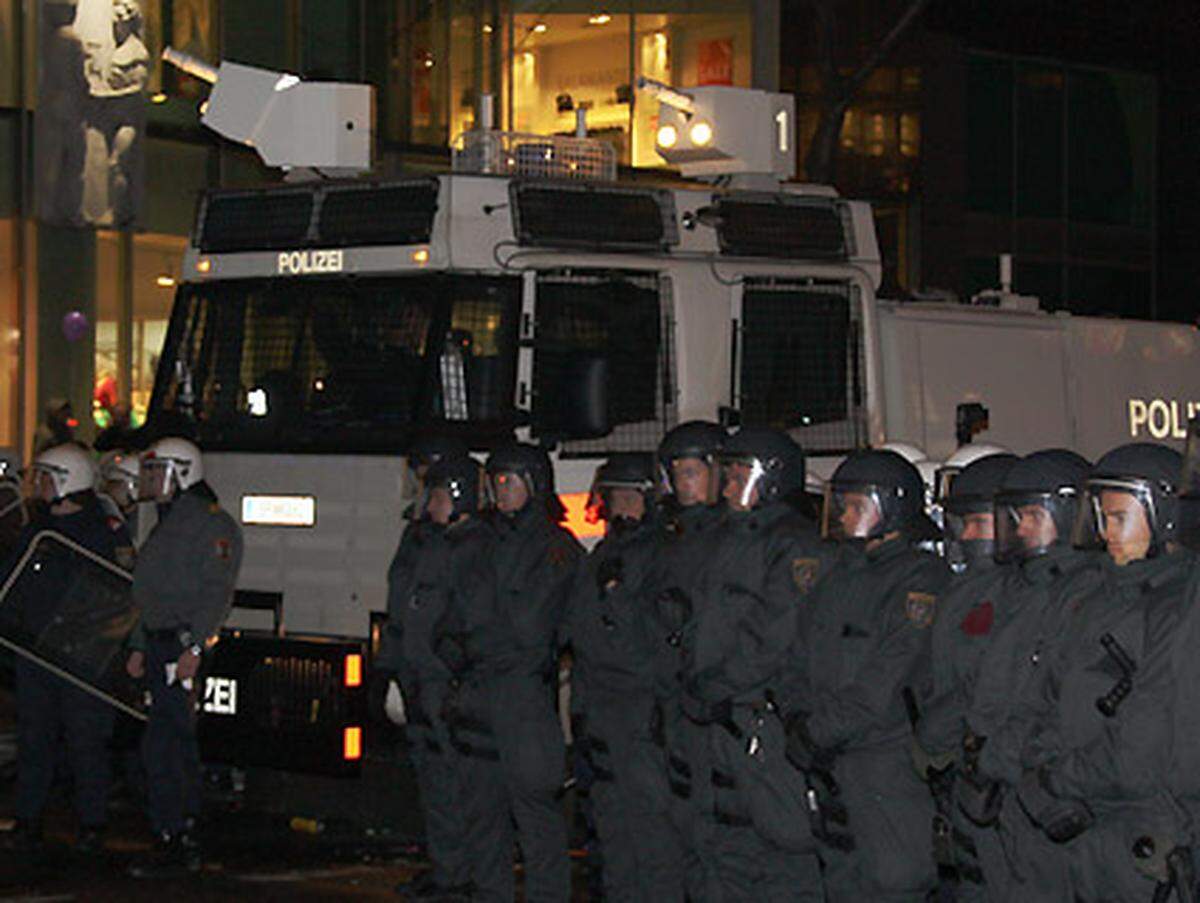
[[1060, 819], [926, 762]]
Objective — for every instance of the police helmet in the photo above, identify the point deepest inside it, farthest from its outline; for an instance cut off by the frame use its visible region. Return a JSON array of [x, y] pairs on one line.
[[119, 473], [427, 449], [62, 471], [972, 492], [622, 470], [775, 461], [529, 462], [963, 456], [459, 476], [170, 464], [1148, 473], [873, 493], [699, 440], [1049, 480]]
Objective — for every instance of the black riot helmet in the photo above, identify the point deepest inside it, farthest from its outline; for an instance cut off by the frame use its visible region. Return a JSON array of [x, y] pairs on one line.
[[1036, 504], [429, 448], [698, 440], [459, 476], [873, 493], [531, 465], [774, 461], [972, 497], [1130, 502], [622, 470]]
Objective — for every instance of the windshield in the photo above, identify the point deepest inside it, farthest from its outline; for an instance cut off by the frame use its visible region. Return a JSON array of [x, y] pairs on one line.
[[339, 365]]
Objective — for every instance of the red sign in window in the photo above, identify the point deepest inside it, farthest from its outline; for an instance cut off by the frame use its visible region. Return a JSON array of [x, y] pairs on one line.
[[716, 62]]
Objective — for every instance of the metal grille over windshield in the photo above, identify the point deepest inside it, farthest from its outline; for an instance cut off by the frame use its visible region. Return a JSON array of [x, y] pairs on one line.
[[339, 365], [801, 363]]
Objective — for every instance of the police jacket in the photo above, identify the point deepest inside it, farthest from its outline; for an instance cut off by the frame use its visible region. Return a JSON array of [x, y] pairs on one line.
[[606, 623], [869, 641], [513, 630], [188, 566], [750, 607], [1084, 753], [432, 565], [968, 616], [55, 570], [1031, 597]]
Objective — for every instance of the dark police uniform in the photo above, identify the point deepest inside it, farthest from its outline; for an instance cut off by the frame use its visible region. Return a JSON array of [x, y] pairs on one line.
[[184, 582], [431, 564], [869, 640], [613, 713], [750, 612], [504, 718], [48, 705]]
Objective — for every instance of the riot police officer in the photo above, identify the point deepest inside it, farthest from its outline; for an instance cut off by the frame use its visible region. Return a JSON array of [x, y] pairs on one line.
[[63, 481], [962, 628], [501, 641], [1035, 511], [749, 611], [437, 559], [184, 582], [1096, 752], [612, 688], [867, 649], [689, 460], [117, 487]]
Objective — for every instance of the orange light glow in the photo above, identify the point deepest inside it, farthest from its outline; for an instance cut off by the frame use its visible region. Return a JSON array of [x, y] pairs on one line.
[[577, 521], [353, 670], [352, 743]]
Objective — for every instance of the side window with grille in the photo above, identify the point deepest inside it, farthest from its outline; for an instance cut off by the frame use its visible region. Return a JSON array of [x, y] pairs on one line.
[[801, 363], [623, 318]]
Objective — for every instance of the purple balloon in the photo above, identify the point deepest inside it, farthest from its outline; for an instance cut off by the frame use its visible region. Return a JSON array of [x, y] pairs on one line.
[[74, 326]]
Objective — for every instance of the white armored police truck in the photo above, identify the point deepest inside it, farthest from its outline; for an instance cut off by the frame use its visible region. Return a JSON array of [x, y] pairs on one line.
[[321, 325]]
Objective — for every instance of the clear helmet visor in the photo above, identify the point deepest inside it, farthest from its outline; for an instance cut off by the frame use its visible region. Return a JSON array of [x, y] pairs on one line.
[[1118, 516], [970, 531], [852, 512], [156, 480], [510, 491], [44, 482], [741, 480], [1025, 524]]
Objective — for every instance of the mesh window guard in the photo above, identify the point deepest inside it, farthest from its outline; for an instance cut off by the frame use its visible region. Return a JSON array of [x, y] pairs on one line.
[[801, 362]]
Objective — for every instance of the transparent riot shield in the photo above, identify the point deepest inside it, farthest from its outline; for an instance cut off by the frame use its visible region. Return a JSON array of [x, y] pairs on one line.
[[13, 514], [71, 611], [1189, 489]]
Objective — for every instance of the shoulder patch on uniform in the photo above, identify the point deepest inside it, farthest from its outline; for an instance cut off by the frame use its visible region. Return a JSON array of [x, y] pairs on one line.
[[222, 548], [979, 620], [919, 608], [805, 572]]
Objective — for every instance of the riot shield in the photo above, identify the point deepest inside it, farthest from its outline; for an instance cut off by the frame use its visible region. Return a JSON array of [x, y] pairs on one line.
[[1189, 489], [13, 514], [71, 611]]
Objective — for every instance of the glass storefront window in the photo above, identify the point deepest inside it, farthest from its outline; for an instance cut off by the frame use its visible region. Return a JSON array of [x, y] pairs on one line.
[[156, 266]]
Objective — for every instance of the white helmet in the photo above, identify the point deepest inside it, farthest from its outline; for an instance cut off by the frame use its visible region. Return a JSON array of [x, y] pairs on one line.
[[964, 455], [909, 452], [67, 468], [169, 463]]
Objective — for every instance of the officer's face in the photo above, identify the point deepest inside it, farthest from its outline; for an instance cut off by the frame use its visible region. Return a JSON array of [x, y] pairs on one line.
[[43, 487], [510, 492], [739, 476], [690, 479], [627, 503], [1035, 527], [860, 515], [980, 526], [1126, 528], [440, 506]]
